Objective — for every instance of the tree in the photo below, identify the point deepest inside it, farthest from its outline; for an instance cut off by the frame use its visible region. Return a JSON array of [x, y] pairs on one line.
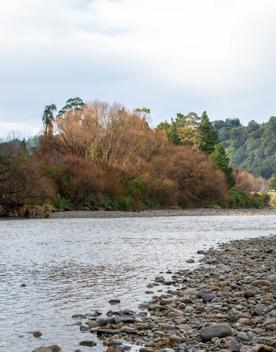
[[183, 130], [222, 161], [188, 132], [272, 182], [48, 117], [71, 104], [208, 134]]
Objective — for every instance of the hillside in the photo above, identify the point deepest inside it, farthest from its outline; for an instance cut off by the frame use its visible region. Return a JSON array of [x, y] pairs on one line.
[[251, 148]]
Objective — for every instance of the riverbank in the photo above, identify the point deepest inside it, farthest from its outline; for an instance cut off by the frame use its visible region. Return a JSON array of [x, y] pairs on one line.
[[160, 213], [226, 304]]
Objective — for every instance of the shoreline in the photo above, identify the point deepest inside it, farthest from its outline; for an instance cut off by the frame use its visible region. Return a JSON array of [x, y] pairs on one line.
[[226, 304], [103, 214]]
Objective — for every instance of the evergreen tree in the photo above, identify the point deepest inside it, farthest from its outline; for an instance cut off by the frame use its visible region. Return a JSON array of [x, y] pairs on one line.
[[208, 134], [72, 104], [222, 161], [48, 117]]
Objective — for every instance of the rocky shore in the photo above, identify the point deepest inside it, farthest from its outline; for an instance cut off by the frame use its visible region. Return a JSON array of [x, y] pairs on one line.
[[228, 303]]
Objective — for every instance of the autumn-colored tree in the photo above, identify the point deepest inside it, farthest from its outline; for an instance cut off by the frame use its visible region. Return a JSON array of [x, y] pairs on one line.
[[194, 175], [247, 182], [23, 182]]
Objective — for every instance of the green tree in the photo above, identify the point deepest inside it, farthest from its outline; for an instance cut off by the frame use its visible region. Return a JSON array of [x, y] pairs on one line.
[[222, 161], [272, 182], [208, 134], [183, 130], [48, 117], [71, 104]]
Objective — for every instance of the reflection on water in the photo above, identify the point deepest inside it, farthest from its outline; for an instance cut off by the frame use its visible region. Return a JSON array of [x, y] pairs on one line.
[[74, 266]]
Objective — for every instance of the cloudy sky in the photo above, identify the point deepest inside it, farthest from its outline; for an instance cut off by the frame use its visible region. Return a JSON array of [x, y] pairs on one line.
[[169, 55]]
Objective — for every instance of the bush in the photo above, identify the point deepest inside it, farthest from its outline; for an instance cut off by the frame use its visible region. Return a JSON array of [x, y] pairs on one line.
[[239, 199]]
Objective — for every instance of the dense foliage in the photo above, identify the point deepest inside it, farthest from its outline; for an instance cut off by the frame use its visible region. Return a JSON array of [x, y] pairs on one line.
[[101, 156], [251, 148]]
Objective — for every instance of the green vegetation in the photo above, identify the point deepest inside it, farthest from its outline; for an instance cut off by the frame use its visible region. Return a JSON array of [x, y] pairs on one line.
[[272, 183], [251, 148], [239, 199], [100, 156]]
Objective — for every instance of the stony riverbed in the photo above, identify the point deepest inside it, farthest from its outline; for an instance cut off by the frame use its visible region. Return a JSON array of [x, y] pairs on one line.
[[228, 303]]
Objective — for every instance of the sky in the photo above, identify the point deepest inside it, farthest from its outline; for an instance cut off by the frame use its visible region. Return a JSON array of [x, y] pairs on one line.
[[169, 55]]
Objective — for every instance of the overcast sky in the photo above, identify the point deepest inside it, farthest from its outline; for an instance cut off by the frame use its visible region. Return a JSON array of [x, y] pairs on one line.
[[169, 55]]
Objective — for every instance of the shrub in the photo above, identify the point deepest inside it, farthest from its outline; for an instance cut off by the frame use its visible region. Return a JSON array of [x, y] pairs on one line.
[[239, 199]]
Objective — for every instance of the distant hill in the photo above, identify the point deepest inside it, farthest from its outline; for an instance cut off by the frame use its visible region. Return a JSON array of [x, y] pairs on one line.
[[251, 148]]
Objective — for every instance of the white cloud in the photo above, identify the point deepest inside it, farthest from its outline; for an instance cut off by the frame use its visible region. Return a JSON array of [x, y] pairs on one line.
[[207, 50]]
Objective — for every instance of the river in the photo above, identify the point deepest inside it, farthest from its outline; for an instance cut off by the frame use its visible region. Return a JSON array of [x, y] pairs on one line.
[[72, 266]]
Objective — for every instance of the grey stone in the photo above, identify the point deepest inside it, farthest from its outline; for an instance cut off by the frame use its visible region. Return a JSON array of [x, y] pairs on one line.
[[88, 343], [218, 330], [243, 336]]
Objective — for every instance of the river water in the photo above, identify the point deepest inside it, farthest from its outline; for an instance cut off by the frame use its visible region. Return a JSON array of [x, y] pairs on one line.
[[75, 266]]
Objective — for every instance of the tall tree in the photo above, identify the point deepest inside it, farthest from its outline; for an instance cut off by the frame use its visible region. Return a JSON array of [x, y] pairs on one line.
[[48, 117], [71, 104], [208, 134], [222, 161]]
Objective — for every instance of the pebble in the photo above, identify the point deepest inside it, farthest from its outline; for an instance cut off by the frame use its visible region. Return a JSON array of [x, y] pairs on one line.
[[227, 304]]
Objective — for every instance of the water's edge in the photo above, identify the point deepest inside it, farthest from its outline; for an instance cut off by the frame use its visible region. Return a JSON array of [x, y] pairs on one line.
[[160, 213]]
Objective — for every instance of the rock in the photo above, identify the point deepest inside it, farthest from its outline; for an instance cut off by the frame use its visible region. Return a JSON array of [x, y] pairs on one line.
[[36, 334], [271, 277], [271, 327], [84, 328], [200, 252], [249, 293], [247, 280], [244, 322], [102, 321], [127, 319], [159, 278], [101, 332], [111, 349], [78, 316], [53, 348], [208, 297], [114, 301], [218, 330], [257, 348], [183, 326], [88, 343], [261, 283], [270, 321], [201, 293], [243, 336], [234, 347], [128, 330], [92, 324]]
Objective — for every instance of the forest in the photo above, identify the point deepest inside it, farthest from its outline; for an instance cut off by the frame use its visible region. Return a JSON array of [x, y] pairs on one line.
[[94, 156], [252, 147]]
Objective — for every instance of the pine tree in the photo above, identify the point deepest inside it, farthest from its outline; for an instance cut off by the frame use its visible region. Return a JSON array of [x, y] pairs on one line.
[[222, 161], [208, 134]]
